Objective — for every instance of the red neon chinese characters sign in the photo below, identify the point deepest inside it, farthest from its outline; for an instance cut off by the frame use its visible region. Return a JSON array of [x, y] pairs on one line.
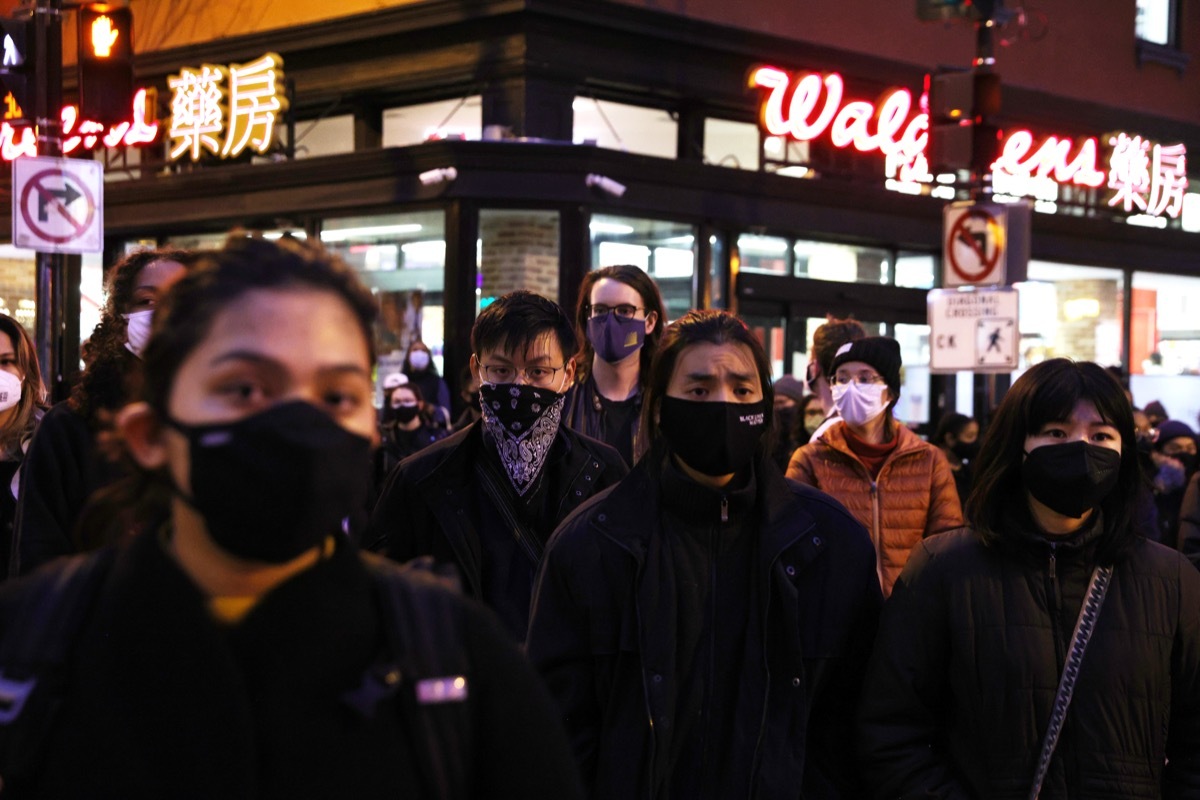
[[85, 134], [814, 105]]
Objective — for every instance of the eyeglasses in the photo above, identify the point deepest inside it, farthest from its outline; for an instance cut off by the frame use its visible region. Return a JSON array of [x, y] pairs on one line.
[[843, 378], [534, 376], [623, 310]]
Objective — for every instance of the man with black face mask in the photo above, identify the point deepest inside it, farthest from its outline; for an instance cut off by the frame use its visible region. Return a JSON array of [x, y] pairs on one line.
[[705, 624], [487, 498]]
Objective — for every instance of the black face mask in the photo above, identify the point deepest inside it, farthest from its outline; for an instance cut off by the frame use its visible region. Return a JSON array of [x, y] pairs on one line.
[[275, 484], [405, 414], [966, 450], [1188, 460], [713, 438], [1071, 478]]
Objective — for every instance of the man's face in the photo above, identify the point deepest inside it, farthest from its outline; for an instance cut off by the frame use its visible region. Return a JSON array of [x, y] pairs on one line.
[[542, 364]]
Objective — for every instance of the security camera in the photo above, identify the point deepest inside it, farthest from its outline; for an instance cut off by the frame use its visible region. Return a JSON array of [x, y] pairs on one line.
[[435, 176], [606, 185]]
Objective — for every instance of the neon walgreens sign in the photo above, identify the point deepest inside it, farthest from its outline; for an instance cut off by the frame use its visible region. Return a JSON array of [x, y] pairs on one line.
[[83, 134], [1146, 177]]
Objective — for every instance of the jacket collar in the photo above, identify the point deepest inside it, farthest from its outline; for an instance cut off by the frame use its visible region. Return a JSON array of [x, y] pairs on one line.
[[907, 441], [631, 514]]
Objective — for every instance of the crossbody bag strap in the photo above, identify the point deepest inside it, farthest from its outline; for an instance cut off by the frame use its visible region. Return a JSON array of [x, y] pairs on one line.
[[1084, 628]]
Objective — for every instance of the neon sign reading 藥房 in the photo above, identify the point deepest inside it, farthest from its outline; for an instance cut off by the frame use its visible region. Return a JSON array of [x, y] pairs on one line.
[[1144, 177], [223, 111]]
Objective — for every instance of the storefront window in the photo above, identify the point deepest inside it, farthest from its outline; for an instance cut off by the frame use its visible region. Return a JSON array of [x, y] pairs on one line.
[[402, 259], [18, 295], [825, 261], [665, 250], [458, 118], [765, 254], [731, 144], [518, 249], [913, 406], [1164, 358], [634, 129], [1070, 311], [325, 137], [916, 270]]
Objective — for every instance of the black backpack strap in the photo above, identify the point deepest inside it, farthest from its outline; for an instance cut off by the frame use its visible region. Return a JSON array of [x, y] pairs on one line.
[[35, 646], [427, 667]]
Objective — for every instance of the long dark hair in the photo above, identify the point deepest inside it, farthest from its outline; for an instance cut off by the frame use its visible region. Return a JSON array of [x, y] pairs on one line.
[[112, 375], [33, 391], [647, 289], [1049, 392], [696, 327], [182, 320]]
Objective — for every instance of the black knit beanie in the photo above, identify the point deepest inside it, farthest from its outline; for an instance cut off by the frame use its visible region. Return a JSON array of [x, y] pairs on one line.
[[880, 352]]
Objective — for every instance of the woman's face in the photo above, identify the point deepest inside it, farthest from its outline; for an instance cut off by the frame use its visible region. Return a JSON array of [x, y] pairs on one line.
[[154, 279], [969, 434], [814, 415], [1084, 425], [271, 346], [8, 357], [403, 396]]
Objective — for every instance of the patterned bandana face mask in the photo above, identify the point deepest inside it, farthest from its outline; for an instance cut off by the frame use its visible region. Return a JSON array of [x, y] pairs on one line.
[[523, 421]]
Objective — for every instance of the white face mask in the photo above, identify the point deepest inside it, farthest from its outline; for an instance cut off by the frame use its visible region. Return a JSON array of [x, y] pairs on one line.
[[10, 390], [859, 403], [137, 331]]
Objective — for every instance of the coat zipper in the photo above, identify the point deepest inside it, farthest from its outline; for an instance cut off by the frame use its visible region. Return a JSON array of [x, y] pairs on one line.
[[877, 531], [1055, 607]]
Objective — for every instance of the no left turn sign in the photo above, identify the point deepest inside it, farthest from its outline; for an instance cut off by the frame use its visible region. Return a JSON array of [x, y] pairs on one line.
[[58, 205], [974, 248]]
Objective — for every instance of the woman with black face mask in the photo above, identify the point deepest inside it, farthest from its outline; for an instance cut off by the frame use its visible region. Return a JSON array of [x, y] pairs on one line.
[[1049, 650], [237, 644], [705, 623], [957, 436], [404, 428]]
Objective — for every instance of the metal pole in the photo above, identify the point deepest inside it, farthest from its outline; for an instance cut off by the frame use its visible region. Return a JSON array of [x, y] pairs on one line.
[[51, 297]]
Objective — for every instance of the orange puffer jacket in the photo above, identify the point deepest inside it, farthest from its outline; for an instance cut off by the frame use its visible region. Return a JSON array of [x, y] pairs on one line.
[[913, 497]]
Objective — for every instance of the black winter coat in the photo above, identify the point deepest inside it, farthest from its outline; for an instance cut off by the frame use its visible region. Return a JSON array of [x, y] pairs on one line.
[[969, 657], [431, 503], [603, 634], [163, 702]]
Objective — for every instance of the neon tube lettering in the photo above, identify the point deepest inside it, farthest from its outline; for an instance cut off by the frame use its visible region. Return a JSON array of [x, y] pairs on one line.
[[1050, 160], [85, 134]]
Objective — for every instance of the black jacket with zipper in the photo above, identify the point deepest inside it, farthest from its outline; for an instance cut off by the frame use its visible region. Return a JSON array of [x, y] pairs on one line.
[[970, 654], [603, 634]]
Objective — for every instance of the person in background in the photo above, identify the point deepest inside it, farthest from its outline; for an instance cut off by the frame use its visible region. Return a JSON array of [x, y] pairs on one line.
[[64, 466], [809, 417], [22, 403], [896, 484], [487, 498], [789, 393], [827, 340], [974, 641], [1156, 413], [240, 615], [421, 372], [957, 436], [704, 624], [404, 429], [468, 382], [1174, 457], [620, 319]]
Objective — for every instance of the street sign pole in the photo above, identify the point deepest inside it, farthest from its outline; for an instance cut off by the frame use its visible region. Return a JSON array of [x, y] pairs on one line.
[[51, 288]]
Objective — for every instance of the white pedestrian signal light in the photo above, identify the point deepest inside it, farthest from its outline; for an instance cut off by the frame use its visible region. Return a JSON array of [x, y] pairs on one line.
[[17, 64]]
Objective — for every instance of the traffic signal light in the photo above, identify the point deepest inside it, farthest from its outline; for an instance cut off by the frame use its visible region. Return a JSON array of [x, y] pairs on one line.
[[936, 10], [962, 109], [16, 66], [105, 62]]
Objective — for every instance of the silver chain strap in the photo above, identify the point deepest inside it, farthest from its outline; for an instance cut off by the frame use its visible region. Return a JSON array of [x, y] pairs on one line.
[[1066, 685]]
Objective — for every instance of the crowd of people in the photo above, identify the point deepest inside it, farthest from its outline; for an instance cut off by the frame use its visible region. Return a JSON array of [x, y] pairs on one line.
[[634, 566]]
